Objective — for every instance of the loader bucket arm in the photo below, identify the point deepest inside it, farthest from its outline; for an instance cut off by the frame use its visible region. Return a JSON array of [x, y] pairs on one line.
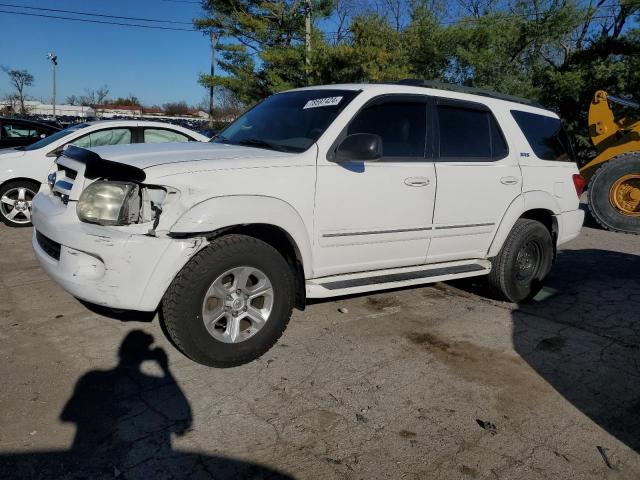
[[610, 136]]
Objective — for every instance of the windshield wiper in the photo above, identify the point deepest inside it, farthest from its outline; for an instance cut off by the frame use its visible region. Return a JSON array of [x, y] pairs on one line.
[[256, 142]]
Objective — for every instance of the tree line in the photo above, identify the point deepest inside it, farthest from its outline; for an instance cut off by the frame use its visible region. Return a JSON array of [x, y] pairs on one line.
[[556, 52]]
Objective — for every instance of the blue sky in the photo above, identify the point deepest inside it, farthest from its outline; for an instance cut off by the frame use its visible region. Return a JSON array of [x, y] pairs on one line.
[[155, 65]]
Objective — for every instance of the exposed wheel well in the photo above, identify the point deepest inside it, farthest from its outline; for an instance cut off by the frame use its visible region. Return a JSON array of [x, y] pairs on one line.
[[548, 219], [281, 241]]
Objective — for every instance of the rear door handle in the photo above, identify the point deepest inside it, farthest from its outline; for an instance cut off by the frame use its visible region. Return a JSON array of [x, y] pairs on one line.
[[416, 181], [508, 180]]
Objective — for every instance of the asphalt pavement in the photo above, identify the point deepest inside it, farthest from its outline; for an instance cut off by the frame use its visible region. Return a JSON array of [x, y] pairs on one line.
[[430, 382]]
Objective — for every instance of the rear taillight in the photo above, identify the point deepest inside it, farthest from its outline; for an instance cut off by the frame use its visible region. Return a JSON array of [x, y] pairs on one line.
[[579, 182]]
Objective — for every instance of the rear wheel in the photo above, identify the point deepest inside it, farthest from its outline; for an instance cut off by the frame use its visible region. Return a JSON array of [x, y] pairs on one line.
[[15, 202], [230, 303], [523, 263], [614, 194]]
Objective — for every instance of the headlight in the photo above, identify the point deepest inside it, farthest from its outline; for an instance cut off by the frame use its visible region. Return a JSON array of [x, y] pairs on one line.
[[109, 203]]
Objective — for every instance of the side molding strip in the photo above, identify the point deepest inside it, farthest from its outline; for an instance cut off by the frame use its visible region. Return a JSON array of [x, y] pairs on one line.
[[404, 230], [400, 277]]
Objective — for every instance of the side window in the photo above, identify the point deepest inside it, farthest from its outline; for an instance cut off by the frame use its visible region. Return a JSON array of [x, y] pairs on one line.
[[18, 131], [112, 136], [545, 135], [402, 125], [469, 134], [161, 135]]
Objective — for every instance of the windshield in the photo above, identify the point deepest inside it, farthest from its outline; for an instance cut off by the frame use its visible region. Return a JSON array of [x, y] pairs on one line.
[[52, 138], [287, 122]]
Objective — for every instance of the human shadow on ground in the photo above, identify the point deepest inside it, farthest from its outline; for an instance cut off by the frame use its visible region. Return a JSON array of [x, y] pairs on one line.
[[124, 421]]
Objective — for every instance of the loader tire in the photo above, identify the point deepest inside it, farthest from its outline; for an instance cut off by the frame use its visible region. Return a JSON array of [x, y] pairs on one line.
[[614, 194]]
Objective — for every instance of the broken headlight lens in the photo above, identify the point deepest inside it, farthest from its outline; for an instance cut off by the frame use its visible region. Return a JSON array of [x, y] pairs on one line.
[[109, 203]]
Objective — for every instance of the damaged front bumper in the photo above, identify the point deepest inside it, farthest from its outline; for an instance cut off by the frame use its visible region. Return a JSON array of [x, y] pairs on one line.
[[108, 266]]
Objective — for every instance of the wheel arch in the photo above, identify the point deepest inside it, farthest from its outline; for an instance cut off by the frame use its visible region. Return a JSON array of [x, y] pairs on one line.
[[269, 219], [20, 179], [536, 205]]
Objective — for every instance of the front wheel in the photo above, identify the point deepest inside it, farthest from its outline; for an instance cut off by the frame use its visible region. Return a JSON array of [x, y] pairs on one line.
[[15, 202], [230, 303], [523, 263]]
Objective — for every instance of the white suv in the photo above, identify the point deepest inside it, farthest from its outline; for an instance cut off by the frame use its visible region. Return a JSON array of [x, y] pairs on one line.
[[313, 193]]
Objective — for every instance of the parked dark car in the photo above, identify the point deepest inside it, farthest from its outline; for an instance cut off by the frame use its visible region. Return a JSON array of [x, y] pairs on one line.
[[15, 132]]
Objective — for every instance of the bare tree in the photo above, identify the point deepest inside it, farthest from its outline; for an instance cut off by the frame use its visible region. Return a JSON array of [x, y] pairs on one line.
[[395, 10], [91, 98], [20, 80], [477, 8], [344, 11], [72, 100], [101, 94]]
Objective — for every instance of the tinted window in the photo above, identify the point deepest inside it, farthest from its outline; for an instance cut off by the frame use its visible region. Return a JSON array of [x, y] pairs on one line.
[[288, 122], [402, 125], [470, 133], [112, 136], [161, 135], [52, 138], [545, 135], [18, 131]]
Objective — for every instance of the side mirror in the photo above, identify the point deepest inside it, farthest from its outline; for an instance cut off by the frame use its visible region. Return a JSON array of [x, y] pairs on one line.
[[55, 153], [359, 147]]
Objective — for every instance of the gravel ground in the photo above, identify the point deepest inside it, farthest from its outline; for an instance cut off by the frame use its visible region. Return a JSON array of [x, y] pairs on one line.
[[429, 382]]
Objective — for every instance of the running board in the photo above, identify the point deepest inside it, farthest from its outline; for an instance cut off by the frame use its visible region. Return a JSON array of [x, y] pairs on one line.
[[394, 278]]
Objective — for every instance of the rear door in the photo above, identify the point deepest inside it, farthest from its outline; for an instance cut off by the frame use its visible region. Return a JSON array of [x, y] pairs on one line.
[[478, 178], [163, 135]]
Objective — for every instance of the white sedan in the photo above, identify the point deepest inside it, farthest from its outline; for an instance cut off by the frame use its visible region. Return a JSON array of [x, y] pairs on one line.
[[24, 169]]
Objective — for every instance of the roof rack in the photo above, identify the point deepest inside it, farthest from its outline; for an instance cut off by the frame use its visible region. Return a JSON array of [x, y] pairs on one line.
[[415, 82]]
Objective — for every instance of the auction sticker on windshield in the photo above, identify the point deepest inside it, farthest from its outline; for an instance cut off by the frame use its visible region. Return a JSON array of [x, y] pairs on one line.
[[323, 102]]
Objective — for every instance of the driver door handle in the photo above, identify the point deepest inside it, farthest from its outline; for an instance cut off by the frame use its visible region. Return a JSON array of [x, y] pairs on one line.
[[508, 180], [416, 181]]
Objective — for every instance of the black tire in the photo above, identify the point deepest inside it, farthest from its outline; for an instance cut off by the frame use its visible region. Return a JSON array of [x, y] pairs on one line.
[[608, 216], [182, 305], [508, 280], [9, 189]]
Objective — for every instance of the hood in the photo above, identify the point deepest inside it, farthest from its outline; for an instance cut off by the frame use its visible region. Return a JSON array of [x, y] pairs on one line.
[[150, 155], [11, 153]]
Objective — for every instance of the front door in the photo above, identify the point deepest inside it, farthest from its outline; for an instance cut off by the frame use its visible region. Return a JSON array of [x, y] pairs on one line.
[[378, 214]]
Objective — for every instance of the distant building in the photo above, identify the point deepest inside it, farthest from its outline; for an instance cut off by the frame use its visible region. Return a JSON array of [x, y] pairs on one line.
[[140, 111], [101, 111], [38, 108]]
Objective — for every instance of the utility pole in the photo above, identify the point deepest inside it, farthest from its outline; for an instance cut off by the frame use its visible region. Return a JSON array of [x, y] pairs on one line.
[[214, 41], [54, 62], [307, 38]]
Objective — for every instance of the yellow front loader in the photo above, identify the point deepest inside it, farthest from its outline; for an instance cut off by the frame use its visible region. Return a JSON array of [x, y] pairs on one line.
[[613, 176]]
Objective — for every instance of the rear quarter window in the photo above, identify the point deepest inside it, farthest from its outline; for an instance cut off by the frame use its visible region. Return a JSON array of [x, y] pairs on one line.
[[545, 135]]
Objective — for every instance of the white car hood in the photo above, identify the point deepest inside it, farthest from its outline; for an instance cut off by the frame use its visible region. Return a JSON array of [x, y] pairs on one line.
[[11, 153], [150, 155]]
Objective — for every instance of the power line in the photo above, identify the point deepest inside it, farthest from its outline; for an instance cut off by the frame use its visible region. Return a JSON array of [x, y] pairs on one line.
[[86, 20], [94, 14]]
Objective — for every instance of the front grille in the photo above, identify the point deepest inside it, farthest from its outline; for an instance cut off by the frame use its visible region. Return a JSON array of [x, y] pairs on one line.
[[50, 247], [63, 183]]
